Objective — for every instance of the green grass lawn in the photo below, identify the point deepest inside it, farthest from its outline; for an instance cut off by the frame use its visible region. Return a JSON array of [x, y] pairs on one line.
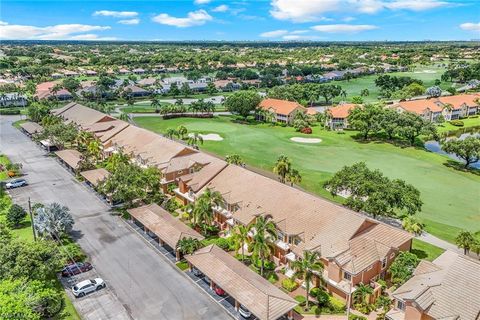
[[425, 250], [4, 161], [427, 74], [450, 197]]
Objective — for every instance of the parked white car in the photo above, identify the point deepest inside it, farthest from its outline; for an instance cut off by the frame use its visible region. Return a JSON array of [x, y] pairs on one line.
[[16, 183], [244, 312], [87, 286]]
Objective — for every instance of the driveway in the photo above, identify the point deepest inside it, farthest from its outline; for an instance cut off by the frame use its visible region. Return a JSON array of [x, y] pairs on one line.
[[141, 283]]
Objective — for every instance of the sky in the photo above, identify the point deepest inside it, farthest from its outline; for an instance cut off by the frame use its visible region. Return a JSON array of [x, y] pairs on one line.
[[237, 20]]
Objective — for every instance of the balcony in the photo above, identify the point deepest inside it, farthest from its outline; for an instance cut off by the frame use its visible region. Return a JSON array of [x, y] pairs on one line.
[[185, 195], [282, 245], [223, 211]]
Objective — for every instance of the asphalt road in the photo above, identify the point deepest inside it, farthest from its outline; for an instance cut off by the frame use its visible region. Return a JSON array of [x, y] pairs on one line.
[[144, 284]]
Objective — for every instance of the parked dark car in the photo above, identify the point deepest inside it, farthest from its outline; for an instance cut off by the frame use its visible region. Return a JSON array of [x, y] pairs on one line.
[[76, 268]]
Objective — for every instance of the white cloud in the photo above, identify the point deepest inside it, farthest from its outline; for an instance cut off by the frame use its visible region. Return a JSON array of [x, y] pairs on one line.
[[469, 26], [415, 5], [343, 28], [129, 21], [90, 36], [348, 19], [221, 8], [313, 10], [194, 18], [202, 1], [56, 32], [294, 37], [116, 14], [274, 34]]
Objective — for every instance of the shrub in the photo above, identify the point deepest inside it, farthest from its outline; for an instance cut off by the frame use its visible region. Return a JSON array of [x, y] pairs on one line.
[[323, 298], [457, 123], [336, 305], [356, 317], [171, 205], [289, 285], [9, 112], [301, 300], [364, 308], [72, 251], [272, 277], [306, 130], [315, 291], [223, 243], [250, 119], [15, 216]]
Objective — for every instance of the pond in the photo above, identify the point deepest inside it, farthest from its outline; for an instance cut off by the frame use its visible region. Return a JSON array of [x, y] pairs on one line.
[[434, 146]]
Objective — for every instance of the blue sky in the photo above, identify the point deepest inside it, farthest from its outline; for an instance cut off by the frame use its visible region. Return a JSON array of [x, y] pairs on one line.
[[323, 20]]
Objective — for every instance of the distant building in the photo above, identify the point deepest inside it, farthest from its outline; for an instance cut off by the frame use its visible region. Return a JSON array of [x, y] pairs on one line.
[[282, 110], [12, 100], [337, 117]]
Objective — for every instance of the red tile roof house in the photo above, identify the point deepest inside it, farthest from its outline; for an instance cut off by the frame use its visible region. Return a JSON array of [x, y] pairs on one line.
[[282, 110], [451, 107], [44, 91], [446, 288], [337, 116]]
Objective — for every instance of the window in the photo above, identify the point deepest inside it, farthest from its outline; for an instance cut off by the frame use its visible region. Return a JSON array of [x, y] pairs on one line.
[[384, 262], [400, 305], [347, 276]]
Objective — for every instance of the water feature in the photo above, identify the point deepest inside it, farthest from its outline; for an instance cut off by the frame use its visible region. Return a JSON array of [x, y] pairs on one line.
[[434, 146]]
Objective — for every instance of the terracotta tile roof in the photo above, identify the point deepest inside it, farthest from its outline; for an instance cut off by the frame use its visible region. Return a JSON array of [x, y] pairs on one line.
[[150, 147], [95, 176], [341, 111], [81, 115], [262, 298], [281, 106], [70, 156], [419, 106], [447, 288], [31, 127], [311, 111], [168, 228], [458, 101], [197, 180], [107, 129]]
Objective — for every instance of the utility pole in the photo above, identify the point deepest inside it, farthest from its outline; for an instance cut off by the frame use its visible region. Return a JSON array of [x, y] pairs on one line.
[[349, 298], [31, 218]]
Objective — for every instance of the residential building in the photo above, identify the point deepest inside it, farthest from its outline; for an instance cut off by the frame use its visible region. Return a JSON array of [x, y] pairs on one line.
[[46, 90], [446, 288], [13, 99], [135, 91], [80, 115], [428, 109], [337, 117], [353, 248], [281, 110]]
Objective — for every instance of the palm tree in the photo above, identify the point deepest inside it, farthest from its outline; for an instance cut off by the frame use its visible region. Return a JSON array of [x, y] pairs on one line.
[[202, 212], [155, 103], [124, 117], [182, 131], [282, 167], [82, 140], [361, 294], [293, 176], [240, 237], [305, 267], [94, 149], [261, 244], [188, 245], [194, 139], [412, 225], [465, 240], [234, 159], [170, 133]]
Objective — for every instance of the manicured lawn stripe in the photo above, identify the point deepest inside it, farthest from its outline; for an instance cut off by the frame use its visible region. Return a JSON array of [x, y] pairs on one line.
[[425, 250]]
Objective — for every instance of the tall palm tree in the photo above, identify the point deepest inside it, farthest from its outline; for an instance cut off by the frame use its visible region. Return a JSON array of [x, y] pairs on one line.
[[82, 140], [412, 225], [170, 133], [202, 212], [305, 267], [261, 244], [293, 176], [465, 240], [155, 103], [234, 159], [194, 139], [94, 149], [282, 167], [182, 131], [361, 293], [240, 237], [124, 117]]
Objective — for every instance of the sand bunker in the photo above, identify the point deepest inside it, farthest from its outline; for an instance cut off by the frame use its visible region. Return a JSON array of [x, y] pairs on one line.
[[209, 137], [425, 71], [306, 140]]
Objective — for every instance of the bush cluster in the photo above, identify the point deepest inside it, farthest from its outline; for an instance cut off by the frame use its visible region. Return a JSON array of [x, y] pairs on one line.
[[457, 123], [289, 285]]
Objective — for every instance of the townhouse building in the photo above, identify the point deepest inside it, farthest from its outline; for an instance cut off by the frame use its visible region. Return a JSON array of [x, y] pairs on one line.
[[281, 110]]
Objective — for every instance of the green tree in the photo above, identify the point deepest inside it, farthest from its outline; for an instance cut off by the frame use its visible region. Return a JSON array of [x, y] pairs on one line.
[[15, 215], [155, 102], [261, 244], [412, 125], [234, 159], [412, 225], [329, 91], [211, 89], [185, 90], [465, 240], [243, 103], [194, 139], [182, 131], [240, 238], [293, 176], [361, 294], [403, 266], [188, 245], [174, 90], [53, 220], [467, 149], [304, 269], [366, 119], [282, 167]]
